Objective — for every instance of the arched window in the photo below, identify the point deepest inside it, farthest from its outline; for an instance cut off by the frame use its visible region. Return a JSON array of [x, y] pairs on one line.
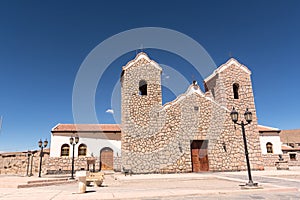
[[269, 147], [235, 87], [65, 150], [142, 87], [82, 150]]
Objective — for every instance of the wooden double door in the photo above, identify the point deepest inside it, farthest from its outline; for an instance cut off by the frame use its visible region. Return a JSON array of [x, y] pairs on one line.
[[199, 155]]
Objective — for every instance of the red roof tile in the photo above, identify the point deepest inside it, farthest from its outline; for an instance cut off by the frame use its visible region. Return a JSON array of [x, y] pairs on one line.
[[262, 128], [87, 128]]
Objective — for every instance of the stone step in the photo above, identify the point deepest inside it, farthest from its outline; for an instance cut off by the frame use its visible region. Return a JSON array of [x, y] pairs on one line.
[[45, 182]]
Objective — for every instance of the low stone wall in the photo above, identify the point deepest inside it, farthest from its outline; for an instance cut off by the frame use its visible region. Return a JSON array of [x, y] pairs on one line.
[[293, 163], [63, 165], [19, 163], [270, 159]]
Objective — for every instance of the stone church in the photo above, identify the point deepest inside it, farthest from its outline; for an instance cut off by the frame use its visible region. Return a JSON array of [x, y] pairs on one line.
[[192, 133]]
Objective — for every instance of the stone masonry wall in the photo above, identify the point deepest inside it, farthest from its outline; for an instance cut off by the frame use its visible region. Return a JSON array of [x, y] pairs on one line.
[[270, 159], [20, 162], [17, 164], [221, 85], [160, 142]]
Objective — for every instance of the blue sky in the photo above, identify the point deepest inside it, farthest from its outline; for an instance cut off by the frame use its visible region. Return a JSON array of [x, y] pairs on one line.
[[43, 44]]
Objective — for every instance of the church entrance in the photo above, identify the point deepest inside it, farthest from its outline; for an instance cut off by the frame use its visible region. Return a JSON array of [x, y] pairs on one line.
[[106, 159], [199, 155]]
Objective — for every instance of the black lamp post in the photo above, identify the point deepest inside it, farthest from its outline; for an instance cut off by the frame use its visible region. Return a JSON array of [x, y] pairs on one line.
[[42, 153], [248, 117], [73, 143]]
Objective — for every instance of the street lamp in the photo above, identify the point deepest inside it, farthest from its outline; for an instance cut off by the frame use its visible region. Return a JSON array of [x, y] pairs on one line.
[[28, 162], [72, 142], [42, 153], [248, 117]]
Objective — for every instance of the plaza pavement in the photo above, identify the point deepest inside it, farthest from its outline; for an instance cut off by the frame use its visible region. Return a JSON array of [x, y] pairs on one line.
[[218, 185]]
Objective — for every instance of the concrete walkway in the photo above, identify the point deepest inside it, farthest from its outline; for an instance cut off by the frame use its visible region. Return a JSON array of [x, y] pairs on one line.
[[161, 186]]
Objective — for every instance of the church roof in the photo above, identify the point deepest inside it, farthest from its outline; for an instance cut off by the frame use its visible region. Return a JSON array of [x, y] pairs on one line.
[[141, 56], [87, 128], [262, 128], [230, 62]]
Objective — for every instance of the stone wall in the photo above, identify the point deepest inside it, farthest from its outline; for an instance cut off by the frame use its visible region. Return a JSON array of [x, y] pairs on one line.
[[220, 85], [270, 159], [160, 141], [56, 165], [293, 162], [19, 163]]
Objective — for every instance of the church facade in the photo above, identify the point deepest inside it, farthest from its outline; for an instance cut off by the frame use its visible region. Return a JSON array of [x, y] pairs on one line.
[[192, 133]]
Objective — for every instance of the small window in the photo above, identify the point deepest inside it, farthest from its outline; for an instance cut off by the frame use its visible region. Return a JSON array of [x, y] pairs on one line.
[[82, 150], [65, 150], [269, 147], [235, 90], [196, 108], [142, 87], [293, 156]]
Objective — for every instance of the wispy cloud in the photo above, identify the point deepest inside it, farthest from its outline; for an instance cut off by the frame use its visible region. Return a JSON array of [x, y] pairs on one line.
[[165, 76], [111, 111]]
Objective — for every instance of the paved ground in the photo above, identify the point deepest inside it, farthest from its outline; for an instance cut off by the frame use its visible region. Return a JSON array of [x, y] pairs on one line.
[[276, 185]]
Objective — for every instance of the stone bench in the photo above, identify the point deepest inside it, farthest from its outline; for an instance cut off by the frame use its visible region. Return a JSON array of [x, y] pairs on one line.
[[95, 177]]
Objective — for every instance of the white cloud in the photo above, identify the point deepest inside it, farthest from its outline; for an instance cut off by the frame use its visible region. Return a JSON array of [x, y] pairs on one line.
[[165, 76], [111, 111]]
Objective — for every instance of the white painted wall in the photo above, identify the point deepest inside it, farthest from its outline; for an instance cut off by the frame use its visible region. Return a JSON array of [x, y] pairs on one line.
[[93, 145], [275, 140]]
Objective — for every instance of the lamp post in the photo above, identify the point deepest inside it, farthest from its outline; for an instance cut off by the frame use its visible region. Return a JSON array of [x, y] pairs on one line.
[[248, 117], [28, 162], [42, 153], [73, 143]]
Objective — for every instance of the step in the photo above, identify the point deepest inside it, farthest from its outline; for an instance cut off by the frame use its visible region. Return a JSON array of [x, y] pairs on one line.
[[47, 180], [42, 183]]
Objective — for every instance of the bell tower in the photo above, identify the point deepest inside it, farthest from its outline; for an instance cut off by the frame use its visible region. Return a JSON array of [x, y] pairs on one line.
[[230, 86], [141, 100], [141, 90]]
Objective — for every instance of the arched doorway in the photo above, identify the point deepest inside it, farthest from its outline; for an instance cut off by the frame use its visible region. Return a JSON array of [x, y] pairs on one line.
[[106, 159]]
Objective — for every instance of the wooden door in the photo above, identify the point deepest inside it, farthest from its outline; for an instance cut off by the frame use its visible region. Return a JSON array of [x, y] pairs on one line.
[[199, 155], [107, 159]]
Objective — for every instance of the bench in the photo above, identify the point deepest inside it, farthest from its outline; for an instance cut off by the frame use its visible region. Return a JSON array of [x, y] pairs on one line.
[[95, 177], [127, 171]]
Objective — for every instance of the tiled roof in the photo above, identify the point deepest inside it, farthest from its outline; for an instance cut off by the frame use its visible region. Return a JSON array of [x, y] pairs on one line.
[[290, 136], [87, 128], [262, 128]]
